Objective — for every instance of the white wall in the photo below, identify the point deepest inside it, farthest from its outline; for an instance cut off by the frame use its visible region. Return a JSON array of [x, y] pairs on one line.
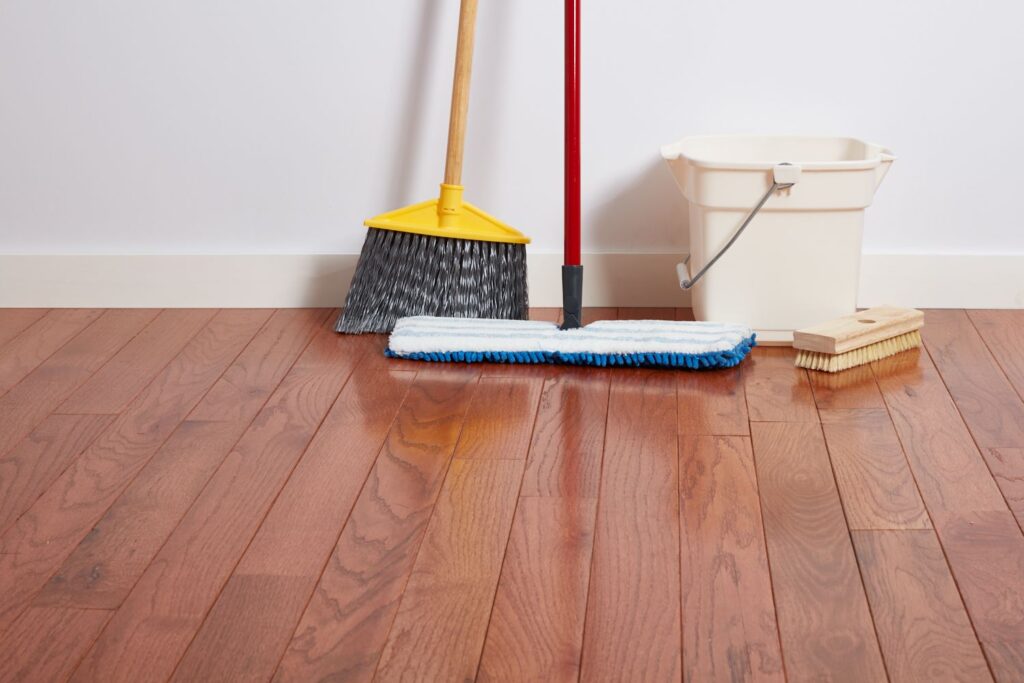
[[273, 126]]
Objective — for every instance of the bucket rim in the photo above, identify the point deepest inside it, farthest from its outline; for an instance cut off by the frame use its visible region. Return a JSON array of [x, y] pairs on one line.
[[675, 151]]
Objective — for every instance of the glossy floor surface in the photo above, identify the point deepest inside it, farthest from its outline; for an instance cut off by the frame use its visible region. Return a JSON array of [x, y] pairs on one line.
[[204, 495]]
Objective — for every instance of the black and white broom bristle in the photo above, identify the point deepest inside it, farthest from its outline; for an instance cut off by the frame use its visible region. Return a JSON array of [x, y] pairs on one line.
[[402, 274]]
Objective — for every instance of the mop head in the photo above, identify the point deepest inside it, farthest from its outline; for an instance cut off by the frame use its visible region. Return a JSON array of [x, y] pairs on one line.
[[403, 273], [613, 343]]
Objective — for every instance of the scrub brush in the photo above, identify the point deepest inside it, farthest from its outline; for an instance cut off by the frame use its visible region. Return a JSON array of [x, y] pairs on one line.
[[858, 339]]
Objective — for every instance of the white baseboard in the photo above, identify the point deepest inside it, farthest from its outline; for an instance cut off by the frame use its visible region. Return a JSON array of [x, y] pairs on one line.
[[289, 280]]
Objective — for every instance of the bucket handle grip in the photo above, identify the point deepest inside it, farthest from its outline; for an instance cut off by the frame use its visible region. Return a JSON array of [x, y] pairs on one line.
[[784, 175]]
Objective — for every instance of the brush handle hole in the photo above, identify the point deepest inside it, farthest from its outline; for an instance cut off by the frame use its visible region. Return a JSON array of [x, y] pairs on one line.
[[867, 321]]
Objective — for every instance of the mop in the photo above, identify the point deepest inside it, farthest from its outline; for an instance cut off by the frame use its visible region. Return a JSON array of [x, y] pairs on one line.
[[608, 343]]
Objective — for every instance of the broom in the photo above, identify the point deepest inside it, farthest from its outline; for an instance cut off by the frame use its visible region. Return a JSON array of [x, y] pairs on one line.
[[442, 257]]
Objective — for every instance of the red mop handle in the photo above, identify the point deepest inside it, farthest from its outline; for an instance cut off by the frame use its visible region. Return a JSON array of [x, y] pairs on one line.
[[572, 132]]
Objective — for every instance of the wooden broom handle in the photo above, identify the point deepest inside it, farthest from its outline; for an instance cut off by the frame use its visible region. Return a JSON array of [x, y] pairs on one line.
[[460, 93]]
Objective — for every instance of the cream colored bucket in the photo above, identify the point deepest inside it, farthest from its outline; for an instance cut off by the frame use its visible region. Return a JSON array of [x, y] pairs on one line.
[[776, 225]]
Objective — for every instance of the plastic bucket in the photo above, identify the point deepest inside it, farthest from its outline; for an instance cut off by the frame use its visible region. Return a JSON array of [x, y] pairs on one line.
[[798, 261]]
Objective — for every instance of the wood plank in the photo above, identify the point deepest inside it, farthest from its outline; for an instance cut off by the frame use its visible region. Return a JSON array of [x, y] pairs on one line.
[[344, 628], [280, 568], [1002, 332], [459, 563], [641, 313], [776, 390], [568, 437], [853, 389], [987, 401], [255, 374], [922, 625], [729, 625], [33, 548], [633, 612], [684, 314], [242, 625], [39, 459], [46, 643], [875, 483], [823, 615], [713, 402], [986, 554], [500, 420], [1007, 466], [25, 352], [981, 539], [108, 562], [152, 629], [42, 390], [536, 626], [115, 384], [950, 472], [14, 321], [440, 626]]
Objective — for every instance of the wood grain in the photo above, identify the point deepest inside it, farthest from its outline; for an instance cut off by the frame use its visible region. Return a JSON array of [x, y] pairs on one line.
[[536, 626], [853, 389], [107, 563], [950, 472], [280, 501], [922, 625], [633, 610], [14, 321], [874, 479], [114, 385], [776, 390], [42, 390], [1002, 332], [39, 459], [22, 354], [1007, 466], [983, 544], [568, 437], [32, 549], [500, 420], [986, 555], [712, 402], [280, 568], [729, 627], [459, 562], [343, 630], [823, 615], [441, 623], [46, 643], [987, 401], [152, 629]]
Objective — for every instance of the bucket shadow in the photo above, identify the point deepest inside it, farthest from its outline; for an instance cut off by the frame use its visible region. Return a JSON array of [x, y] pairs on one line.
[[647, 213]]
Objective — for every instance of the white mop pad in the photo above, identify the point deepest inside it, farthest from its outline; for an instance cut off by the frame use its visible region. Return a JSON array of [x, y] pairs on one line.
[[635, 343]]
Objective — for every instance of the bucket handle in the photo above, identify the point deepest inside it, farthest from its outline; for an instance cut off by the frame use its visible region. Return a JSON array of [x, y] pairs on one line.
[[784, 175]]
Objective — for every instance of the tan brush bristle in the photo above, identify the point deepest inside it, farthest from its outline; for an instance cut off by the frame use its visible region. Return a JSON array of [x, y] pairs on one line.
[[826, 362]]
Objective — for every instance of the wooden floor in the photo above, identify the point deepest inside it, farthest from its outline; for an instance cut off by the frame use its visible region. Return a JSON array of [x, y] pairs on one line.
[[231, 495]]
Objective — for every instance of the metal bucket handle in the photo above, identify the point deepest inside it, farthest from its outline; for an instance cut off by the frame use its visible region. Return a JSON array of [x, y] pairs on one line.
[[784, 175]]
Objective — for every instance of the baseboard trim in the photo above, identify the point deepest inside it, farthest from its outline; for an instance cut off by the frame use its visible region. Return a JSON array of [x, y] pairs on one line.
[[291, 280]]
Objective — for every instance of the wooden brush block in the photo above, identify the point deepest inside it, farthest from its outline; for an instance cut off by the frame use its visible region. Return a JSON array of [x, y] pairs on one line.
[[858, 329]]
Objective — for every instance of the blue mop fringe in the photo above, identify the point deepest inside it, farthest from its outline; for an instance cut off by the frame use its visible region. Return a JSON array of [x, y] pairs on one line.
[[691, 361]]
